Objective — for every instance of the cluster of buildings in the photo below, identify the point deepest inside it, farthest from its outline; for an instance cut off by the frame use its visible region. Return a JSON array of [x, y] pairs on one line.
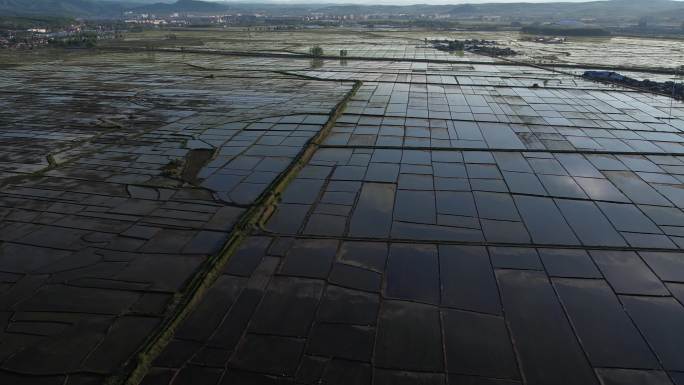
[[27, 39], [546, 39], [41, 37], [256, 19], [182, 20]]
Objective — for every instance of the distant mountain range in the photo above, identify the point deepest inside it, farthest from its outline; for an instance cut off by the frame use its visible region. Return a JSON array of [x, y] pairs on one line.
[[594, 9], [183, 6], [607, 10], [57, 8], [72, 8]]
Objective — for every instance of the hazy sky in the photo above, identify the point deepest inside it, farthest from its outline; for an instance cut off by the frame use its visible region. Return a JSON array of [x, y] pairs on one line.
[[390, 2], [404, 2]]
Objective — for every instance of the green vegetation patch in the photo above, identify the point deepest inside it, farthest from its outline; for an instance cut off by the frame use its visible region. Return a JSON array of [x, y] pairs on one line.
[[17, 22], [565, 31]]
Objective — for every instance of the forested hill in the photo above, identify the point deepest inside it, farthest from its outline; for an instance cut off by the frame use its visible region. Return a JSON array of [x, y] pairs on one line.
[[599, 10]]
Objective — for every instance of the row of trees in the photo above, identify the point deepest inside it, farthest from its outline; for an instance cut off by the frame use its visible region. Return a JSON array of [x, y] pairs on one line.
[[83, 40], [317, 51]]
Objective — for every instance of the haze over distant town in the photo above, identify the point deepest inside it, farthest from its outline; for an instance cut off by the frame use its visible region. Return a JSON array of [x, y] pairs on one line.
[[407, 2], [394, 2], [341, 192]]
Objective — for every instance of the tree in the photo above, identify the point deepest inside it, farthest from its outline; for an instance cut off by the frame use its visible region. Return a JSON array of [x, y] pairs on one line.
[[316, 51], [456, 45]]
